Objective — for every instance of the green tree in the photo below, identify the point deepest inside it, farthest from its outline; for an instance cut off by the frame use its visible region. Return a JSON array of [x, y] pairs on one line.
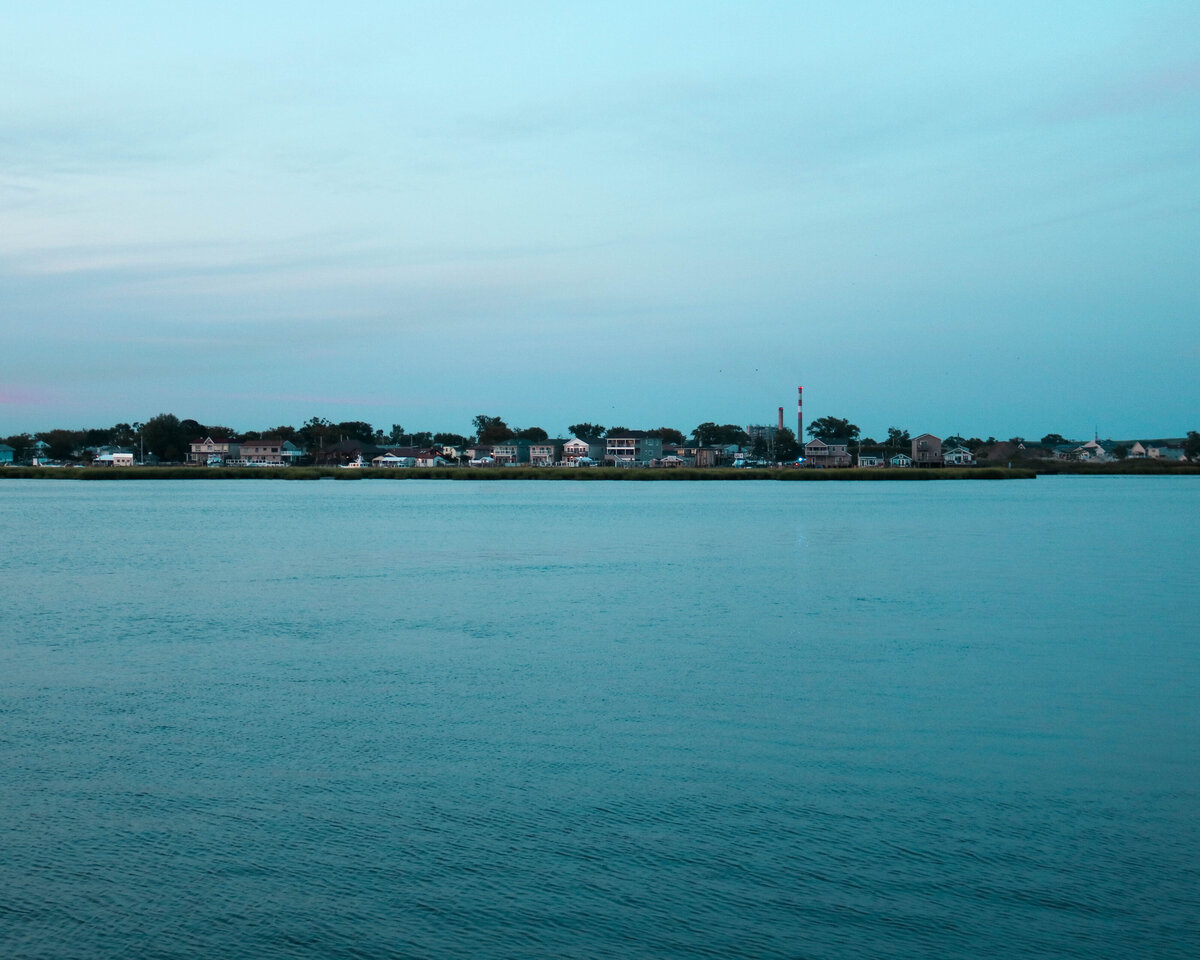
[[283, 432], [897, 438], [833, 428], [1191, 446], [709, 434], [316, 433], [21, 443], [532, 434], [668, 435], [1120, 451], [1054, 440], [166, 437], [422, 438], [491, 429], [586, 431], [450, 439], [61, 443], [358, 430], [786, 447]]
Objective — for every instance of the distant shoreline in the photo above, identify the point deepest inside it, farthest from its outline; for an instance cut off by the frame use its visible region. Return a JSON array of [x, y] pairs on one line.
[[1024, 471], [587, 474]]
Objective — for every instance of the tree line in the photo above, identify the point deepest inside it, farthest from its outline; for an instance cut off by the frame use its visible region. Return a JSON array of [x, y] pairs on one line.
[[168, 438]]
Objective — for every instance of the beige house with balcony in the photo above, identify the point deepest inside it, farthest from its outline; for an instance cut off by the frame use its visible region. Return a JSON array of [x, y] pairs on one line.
[[210, 451]]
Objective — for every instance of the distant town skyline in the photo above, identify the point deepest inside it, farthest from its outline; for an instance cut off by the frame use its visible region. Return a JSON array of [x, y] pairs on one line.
[[964, 218]]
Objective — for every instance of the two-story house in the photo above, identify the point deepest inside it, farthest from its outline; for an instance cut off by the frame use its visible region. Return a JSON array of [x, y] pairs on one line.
[[546, 453], [927, 451], [584, 450], [267, 450], [210, 451], [834, 453], [632, 446]]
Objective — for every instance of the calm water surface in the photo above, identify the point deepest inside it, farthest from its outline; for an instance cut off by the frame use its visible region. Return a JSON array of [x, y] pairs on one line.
[[431, 719]]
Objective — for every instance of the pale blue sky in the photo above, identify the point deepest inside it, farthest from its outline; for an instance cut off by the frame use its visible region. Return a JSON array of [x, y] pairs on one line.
[[955, 217]]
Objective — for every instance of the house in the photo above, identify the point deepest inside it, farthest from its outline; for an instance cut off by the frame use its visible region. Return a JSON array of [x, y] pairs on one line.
[[214, 452], [113, 458], [546, 453], [870, 460], [6, 454], [927, 451], [392, 460], [1165, 452], [1137, 451], [583, 449], [344, 452], [289, 453], [434, 458], [632, 446], [958, 456], [263, 452], [671, 461], [819, 453], [901, 460], [511, 452]]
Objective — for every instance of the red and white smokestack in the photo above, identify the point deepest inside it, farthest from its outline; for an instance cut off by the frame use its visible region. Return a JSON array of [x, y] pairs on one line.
[[800, 414], [781, 418]]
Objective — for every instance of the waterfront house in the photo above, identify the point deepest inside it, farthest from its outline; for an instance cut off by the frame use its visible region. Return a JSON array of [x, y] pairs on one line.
[[870, 460], [109, 457], [583, 449], [632, 446], [958, 457], [546, 453], [927, 450], [289, 453], [835, 453], [511, 452], [6, 454], [901, 460], [393, 460], [344, 452], [266, 451], [214, 452]]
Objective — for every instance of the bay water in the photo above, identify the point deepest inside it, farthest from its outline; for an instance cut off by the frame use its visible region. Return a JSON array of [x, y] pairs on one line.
[[260, 719]]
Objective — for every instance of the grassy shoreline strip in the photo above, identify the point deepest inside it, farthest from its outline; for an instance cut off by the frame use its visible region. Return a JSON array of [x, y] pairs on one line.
[[508, 473]]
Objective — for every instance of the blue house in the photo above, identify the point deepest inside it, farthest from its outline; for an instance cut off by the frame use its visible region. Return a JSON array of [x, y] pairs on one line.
[[6, 454]]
